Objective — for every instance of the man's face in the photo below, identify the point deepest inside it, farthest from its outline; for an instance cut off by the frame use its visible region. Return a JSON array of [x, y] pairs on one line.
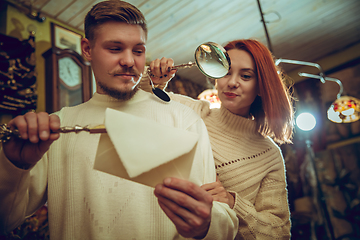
[[117, 56]]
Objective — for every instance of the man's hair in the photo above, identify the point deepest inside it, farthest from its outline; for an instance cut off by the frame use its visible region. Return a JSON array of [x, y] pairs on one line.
[[112, 10], [272, 109]]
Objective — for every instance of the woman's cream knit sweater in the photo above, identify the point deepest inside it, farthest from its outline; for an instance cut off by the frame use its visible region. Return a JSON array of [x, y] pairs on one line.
[[250, 166]]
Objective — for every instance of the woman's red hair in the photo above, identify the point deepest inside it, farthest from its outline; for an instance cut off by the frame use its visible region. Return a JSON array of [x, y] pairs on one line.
[[272, 110]]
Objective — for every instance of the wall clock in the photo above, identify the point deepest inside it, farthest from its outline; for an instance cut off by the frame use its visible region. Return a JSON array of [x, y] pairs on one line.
[[68, 79]]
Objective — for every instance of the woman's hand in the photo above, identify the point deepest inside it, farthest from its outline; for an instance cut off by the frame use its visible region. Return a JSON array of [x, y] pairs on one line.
[[219, 193], [161, 71]]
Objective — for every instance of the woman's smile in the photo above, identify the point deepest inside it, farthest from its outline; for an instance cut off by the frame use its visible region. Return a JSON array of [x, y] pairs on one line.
[[230, 94]]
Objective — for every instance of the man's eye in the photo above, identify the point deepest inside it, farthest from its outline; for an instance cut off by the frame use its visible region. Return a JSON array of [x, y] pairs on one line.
[[114, 49]]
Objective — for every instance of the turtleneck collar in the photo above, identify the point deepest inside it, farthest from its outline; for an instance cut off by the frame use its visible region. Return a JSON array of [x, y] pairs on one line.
[[233, 124], [108, 101]]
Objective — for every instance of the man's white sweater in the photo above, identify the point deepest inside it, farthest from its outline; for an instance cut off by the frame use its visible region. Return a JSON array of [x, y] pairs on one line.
[[84, 203]]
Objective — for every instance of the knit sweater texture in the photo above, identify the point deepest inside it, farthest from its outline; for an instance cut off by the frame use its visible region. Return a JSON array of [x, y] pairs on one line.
[[251, 167], [84, 203]]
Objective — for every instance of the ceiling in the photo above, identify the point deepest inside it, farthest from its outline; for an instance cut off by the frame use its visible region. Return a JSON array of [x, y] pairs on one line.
[[305, 30]]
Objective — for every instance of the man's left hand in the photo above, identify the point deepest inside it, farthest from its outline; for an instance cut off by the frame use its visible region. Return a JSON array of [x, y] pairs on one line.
[[187, 205]]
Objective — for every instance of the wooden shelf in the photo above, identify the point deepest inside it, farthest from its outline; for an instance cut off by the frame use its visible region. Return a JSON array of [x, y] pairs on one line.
[[343, 143]]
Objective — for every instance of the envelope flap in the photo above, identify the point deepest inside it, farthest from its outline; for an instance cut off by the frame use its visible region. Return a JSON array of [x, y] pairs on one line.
[[144, 144]]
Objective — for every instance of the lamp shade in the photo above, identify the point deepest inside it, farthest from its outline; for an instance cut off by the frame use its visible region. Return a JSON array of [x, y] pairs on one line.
[[345, 109]]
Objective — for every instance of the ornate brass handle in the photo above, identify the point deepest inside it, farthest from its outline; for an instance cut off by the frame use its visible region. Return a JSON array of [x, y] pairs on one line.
[[6, 133], [180, 66]]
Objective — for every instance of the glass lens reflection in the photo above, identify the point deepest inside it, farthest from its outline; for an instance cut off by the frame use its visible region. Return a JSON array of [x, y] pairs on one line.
[[212, 60]]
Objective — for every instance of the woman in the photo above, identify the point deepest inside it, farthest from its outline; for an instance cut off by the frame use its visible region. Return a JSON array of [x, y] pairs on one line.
[[255, 111]]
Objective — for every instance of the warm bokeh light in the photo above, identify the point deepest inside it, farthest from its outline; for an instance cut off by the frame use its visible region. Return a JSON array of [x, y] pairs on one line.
[[211, 96], [306, 121]]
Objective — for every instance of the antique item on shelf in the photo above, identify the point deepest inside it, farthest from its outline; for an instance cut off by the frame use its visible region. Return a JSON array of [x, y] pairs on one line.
[[18, 93], [68, 79], [63, 38]]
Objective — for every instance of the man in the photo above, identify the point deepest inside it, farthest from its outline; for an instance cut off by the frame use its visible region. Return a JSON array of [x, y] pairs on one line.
[[84, 203]]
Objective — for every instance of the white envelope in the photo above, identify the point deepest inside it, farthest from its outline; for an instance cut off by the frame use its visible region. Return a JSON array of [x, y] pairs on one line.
[[144, 151]]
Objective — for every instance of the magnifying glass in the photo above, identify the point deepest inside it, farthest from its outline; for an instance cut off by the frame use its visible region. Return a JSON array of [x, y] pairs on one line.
[[211, 59]]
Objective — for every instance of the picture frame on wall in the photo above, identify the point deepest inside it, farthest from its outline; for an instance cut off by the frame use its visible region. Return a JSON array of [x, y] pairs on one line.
[[64, 38]]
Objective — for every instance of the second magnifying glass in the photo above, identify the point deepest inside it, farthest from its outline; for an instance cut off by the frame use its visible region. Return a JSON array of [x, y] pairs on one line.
[[210, 58]]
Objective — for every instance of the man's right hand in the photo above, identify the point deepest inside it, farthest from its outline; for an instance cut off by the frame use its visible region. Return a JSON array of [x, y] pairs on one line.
[[36, 138]]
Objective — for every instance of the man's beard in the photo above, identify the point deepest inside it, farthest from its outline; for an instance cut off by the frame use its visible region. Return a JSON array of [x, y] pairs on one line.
[[112, 92]]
